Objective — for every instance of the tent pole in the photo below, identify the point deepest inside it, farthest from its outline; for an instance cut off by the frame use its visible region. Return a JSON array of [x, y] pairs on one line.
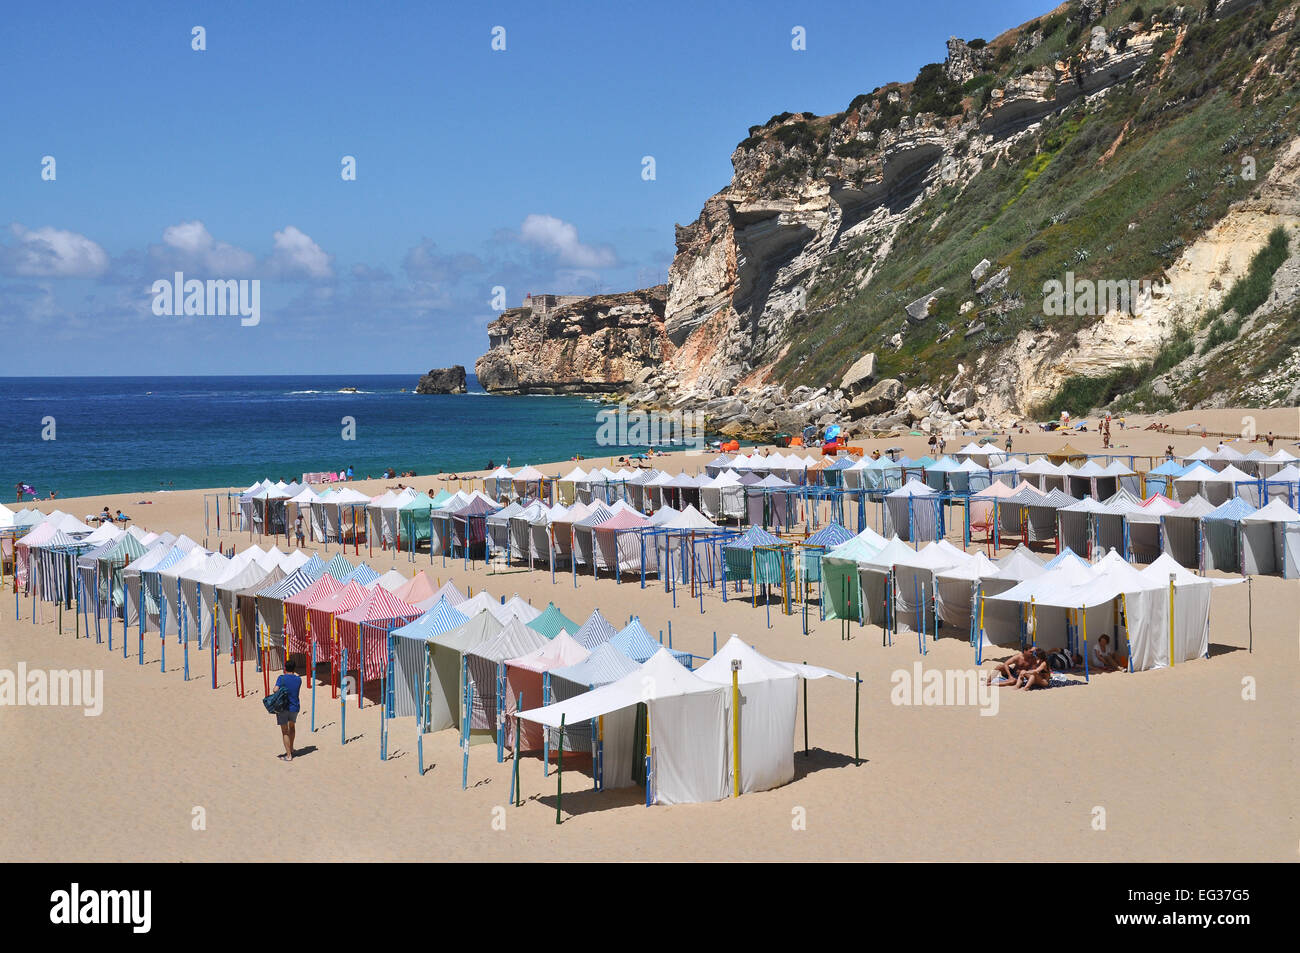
[[559, 773], [735, 727], [805, 714], [857, 709]]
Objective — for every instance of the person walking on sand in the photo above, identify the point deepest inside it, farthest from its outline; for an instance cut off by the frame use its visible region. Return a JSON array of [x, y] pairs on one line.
[[292, 684], [298, 532]]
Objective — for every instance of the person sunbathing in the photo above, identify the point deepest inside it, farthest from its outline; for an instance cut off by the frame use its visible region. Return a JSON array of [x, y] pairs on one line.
[[1039, 675], [1008, 672]]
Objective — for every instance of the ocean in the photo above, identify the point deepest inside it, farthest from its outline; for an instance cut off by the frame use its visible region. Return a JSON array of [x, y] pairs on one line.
[[145, 434]]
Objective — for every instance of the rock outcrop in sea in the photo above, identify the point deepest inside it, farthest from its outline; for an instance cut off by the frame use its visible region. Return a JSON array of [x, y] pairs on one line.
[[443, 380]]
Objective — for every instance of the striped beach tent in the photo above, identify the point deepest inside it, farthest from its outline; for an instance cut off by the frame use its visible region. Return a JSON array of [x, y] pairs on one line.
[[595, 631], [295, 611], [552, 622]]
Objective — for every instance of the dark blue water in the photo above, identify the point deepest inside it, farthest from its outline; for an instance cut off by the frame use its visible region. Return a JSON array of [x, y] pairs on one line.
[[128, 434]]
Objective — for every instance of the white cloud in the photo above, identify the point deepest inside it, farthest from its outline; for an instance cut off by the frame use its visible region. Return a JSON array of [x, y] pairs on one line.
[[296, 256], [50, 252], [560, 238], [190, 245]]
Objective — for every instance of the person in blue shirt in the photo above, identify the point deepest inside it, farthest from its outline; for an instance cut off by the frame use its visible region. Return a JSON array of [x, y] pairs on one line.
[[292, 684], [349, 473]]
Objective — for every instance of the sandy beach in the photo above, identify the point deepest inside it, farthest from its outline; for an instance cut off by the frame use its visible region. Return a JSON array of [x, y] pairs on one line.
[[1183, 763]]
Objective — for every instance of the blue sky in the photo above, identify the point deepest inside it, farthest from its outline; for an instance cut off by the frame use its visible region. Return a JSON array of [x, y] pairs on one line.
[[475, 168]]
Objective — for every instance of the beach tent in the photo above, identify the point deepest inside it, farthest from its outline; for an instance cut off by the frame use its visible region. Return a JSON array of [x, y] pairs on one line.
[[814, 547], [498, 528], [1067, 454], [1270, 541], [1012, 511], [616, 544], [445, 684], [755, 555], [1220, 532], [841, 589], [1275, 462], [1125, 478], [983, 506], [769, 702], [411, 647], [322, 612], [723, 496], [1109, 523], [339, 567], [638, 645], [582, 542], [499, 484], [295, 611], [519, 541], [482, 670], [1090, 479], [543, 541], [597, 630], [618, 743], [771, 502], [551, 622], [526, 676], [1192, 482], [719, 463], [392, 580], [448, 592], [270, 614], [418, 588], [1180, 531], [957, 590], [363, 631], [565, 486], [1143, 526], [1075, 525], [687, 726], [530, 482], [1217, 486], [414, 522], [362, 575], [905, 577], [1160, 479], [1039, 471]]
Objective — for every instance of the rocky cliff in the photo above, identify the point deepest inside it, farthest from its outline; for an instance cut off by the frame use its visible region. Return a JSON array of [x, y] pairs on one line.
[[923, 224], [593, 344]]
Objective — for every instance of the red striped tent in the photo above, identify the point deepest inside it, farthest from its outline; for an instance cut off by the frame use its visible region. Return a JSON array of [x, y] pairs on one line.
[[295, 611], [322, 612], [368, 645]]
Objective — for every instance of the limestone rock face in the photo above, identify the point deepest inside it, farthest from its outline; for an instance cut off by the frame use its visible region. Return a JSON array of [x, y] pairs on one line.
[[442, 380], [592, 344], [860, 375]]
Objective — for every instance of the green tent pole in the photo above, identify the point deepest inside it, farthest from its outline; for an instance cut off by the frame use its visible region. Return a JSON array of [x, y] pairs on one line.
[[857, 708]]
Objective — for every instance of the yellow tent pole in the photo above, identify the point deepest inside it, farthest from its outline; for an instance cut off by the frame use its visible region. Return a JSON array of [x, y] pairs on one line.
[[1171, 620], [735, 727]]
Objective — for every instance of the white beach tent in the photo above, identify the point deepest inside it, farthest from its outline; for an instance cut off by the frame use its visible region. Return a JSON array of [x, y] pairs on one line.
[[723, 497], [687, 726], [769, 701], [1275, 462], [912, 512], [566, 486], [1270, 541]]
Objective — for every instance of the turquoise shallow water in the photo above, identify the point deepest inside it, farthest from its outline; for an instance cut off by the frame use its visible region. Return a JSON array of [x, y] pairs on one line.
[[127, 434]]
